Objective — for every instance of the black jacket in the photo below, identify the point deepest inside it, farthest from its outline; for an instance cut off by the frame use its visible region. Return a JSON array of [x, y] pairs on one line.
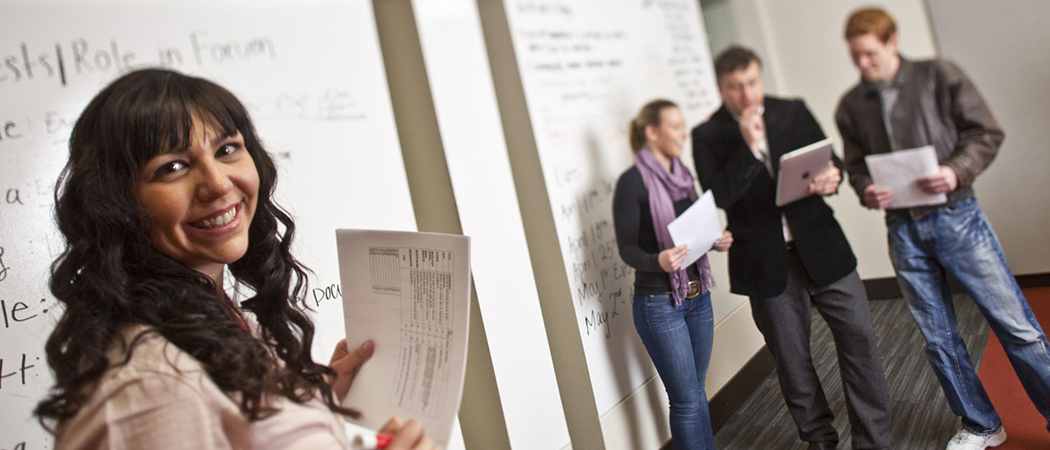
[[758, 259]]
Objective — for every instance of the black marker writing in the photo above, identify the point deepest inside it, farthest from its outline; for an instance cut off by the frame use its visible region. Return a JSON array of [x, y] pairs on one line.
[[331, 292], [223, 52], [79, 56], [3, 267], [587, 290], [19, 312], [596, 320], [170, 57], [20, 371], [92, 60], [14, 197], [9, 131]]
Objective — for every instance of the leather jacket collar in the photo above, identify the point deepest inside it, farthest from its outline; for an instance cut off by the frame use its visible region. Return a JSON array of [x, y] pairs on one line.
[[903, 76]]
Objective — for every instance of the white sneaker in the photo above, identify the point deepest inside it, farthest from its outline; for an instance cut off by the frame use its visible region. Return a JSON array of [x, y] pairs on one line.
[[965, 440]]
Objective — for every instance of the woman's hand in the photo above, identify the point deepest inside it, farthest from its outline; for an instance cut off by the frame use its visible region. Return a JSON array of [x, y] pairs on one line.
[[671, 259], [724, 242], [407, 436], [346, 364]]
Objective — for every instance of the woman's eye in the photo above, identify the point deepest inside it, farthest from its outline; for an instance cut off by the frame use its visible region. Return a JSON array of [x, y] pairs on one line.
[[228, 149], [169, 168]]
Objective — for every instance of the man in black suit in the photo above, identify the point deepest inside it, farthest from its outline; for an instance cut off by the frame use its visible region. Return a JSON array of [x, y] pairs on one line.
[[786, 258]]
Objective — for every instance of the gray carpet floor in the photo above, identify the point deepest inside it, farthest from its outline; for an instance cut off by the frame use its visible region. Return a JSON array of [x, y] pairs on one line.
[[921, 417]]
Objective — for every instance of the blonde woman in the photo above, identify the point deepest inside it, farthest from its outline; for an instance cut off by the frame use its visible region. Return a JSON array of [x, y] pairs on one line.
[[672, 302]]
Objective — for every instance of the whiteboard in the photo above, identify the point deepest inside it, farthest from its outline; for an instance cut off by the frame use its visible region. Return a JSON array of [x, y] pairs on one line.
[[461, 84], [586, 68], [310, 74]]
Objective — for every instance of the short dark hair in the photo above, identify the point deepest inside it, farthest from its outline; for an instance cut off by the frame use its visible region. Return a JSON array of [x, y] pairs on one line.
[[733, 59]]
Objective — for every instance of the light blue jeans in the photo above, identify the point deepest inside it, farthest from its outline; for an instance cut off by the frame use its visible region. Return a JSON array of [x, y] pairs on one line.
[[678, 340], [959, 241]]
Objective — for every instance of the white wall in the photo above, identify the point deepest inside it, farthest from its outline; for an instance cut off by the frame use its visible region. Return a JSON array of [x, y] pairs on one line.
[[1002, 46]]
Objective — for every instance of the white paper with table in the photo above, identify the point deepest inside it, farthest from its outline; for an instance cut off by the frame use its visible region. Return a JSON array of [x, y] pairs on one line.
[[698, 227], [900, 171], [410, 293]]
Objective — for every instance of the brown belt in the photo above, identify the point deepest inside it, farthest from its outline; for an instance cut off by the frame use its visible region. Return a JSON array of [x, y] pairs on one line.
[[694, 290]]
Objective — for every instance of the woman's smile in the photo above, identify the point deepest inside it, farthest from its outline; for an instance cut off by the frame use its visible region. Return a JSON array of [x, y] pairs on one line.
[[220, 222]]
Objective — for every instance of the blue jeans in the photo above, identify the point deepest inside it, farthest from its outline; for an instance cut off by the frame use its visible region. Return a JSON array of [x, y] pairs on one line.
[[678, 340], [959, 241]]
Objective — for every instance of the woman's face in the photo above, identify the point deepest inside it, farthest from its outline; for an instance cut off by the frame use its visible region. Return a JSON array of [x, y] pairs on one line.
[[201, 200], [668, 137]]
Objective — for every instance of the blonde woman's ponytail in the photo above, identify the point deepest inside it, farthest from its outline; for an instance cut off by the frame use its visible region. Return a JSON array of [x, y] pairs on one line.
[[648, 116]]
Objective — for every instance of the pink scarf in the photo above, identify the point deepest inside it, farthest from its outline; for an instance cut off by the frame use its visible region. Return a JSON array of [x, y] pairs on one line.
[[664, 190]]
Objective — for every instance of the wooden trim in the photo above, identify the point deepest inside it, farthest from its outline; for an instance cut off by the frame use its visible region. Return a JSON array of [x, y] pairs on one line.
[[1033, 280], [733, 395], [888, 289], [882, 288]]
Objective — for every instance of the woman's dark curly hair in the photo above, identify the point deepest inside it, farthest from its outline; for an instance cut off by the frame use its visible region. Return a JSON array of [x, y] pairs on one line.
[[109, 276]]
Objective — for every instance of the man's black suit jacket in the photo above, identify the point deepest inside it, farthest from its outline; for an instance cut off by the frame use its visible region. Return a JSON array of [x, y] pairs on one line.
[[758, 259]]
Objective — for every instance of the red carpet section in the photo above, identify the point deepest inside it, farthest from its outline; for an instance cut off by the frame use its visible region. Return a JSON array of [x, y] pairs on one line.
[[1025, 428]]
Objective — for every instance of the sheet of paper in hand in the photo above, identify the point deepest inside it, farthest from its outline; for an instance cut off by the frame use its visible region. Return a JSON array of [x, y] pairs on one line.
[[900, 171], [698, 226], [410, 293]]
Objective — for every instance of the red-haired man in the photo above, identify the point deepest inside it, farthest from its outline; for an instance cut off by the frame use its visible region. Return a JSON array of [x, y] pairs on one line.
[[901, 104]]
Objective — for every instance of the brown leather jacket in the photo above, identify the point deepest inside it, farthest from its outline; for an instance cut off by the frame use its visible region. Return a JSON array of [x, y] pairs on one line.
[[937, 105]]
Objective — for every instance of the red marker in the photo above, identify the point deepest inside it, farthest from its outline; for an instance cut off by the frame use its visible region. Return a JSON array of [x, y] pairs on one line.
[[371, 441]]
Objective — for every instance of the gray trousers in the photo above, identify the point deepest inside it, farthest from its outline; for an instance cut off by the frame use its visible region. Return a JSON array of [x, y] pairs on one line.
[[784, 321]]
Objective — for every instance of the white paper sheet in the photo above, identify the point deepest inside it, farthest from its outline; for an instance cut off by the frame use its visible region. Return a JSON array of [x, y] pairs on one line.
[[698, 226], [899, 171], [410, 293]]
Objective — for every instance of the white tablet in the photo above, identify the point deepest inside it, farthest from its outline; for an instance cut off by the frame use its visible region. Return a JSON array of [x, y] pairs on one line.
[[798, 168]]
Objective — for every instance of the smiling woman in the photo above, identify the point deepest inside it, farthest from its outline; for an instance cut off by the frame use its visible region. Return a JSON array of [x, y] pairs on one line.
[[672, 301], [201, 199], [166, 187]]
